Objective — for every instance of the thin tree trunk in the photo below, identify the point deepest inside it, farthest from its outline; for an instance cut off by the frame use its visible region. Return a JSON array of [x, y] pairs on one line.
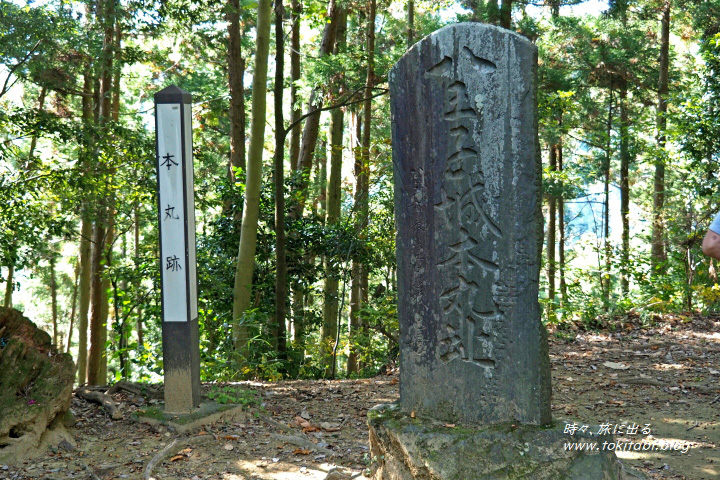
[[73, 307], [97, 358], [33, 142], [236, 71], [364, 186], [294, 78], [320, 201], [106, 285], [312, 123], [551, 231], [251, 208], [53, 298], [506, 14], [9, 286], [98, 332], [561, 230], [605, 274], [278, 330], [305, 159], [624, 191], [138, 323], [657, 251], [355, 294], [411, 23], [86, 229], [329, 334]]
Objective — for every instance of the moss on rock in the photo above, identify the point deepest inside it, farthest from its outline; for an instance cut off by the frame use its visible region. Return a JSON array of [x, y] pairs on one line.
[[35, 385]]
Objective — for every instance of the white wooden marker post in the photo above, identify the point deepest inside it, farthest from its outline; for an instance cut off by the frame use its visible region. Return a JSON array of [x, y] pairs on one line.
[[176, 214]]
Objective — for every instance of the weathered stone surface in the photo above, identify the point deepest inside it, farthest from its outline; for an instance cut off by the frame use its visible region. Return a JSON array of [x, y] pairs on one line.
[[419, 449], [35, 387], [467, 203]]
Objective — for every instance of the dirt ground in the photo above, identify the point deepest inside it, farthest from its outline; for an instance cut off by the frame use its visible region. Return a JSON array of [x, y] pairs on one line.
[[658, 386]]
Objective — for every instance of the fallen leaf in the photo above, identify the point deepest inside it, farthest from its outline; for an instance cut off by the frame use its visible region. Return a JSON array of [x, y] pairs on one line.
[[394, 381], [302, 422], [232, 437], [301, 451], [228, 447], [412, 414], [177, 457], [450, 425]]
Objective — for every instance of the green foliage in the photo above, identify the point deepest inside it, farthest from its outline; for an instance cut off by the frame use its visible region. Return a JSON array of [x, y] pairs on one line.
[[234, 395]]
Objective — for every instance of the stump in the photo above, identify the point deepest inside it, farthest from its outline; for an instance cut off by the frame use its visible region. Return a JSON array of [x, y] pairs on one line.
[[35, 387]]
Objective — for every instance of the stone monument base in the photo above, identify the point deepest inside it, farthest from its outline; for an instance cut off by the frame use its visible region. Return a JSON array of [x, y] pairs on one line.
[[206, 414], [405, 448]]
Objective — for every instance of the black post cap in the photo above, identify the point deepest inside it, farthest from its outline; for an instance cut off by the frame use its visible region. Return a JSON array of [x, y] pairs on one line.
[[173, 94]]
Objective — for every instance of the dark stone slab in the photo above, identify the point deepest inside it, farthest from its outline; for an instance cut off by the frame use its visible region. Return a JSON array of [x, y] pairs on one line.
[[467, 203], [205, 414]]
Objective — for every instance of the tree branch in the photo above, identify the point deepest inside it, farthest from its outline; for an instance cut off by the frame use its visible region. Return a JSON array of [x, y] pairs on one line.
[[344, 103], [7, 88]]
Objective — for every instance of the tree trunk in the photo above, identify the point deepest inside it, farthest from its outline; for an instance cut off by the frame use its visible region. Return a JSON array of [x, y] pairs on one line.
[[411, 23], [73, 307], [33, 141], [605, 273], [103, 230], [53, 298], [138, 323], [312, 123], [657, 250], [84, 300], [561, 230], [354, 327], [9, 285], [98, 300], [294, 78], [106, 285], [551, 231], [364, 185], [506, 14], [320, 201], [278, 330], [329, 334], [251, 208], [624, 191], [330, 305], [236, 71]]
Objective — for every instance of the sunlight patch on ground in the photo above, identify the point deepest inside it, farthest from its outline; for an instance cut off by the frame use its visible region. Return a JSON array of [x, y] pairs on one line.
[[710, 470], [281, 470], [709, 337], [669, 366]]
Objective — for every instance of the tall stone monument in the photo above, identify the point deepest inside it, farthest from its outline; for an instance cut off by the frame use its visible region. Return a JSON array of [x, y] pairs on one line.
[[473, 352], [467, 203]]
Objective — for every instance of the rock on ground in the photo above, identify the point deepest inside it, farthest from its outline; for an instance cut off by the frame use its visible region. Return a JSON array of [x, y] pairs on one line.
[[406, 448], [35, 388]]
